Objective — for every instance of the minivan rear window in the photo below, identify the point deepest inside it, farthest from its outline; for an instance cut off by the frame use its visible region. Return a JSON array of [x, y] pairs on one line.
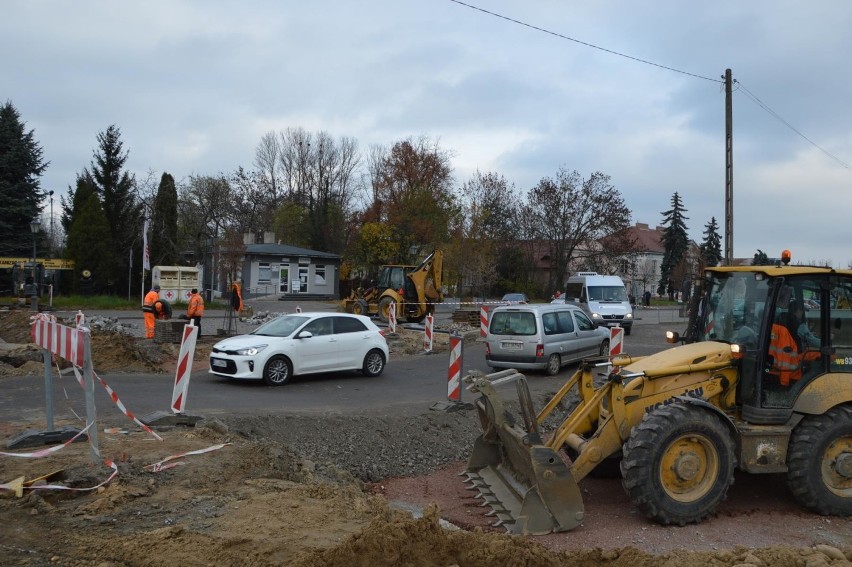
[[512, 323]]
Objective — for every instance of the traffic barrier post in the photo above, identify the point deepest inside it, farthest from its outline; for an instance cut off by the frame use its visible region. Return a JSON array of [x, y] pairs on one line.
[[455, 368], [427, 333], [616, 341], [483, 320], [183, 372], [73, 345], [392, 317]]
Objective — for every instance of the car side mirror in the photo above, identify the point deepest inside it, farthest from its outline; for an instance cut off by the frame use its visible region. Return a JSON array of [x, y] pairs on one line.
[[304, 335]]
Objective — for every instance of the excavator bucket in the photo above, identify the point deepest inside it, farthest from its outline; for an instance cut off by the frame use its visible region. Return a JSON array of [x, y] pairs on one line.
[[527, 484]]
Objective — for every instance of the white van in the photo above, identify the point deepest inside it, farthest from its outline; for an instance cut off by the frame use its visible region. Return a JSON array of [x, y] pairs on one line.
[[604, 298]]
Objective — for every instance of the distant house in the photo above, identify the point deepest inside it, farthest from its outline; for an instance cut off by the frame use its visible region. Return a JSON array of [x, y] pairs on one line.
[[288, 271]]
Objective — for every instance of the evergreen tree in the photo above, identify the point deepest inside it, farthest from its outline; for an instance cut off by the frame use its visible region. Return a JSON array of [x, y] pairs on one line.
[[760, 258], [78, 197], [675, 243], [164, 226], [711, 248], [87, 246], [116, 192], [21, 166]]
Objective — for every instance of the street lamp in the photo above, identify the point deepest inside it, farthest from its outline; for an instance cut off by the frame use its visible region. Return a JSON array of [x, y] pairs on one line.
[[34, 226]]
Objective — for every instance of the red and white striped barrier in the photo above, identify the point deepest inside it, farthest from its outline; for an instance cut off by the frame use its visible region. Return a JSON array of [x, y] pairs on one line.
[[60, 340], [427, 333], [616, 340], [455, 369], [392, 317], [483, 321], [184, 367], [79, 319]]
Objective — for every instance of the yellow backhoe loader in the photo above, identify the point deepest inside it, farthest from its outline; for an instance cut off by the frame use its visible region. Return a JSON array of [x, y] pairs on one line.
[[420, 291], [760, 383], [366, 301]]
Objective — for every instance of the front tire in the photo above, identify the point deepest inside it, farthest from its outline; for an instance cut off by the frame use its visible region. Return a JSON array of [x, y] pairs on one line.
[[278, 371], [374, 363], [678, 464], [359, 307], [819, 462], [604, 350]]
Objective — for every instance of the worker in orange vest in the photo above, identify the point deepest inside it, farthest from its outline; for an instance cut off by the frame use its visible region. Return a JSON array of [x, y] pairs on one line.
[[195, 309], [787, 362], [148, 310]]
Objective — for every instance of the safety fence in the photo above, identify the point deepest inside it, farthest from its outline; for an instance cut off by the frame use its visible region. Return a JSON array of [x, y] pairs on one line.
[[73, 345]]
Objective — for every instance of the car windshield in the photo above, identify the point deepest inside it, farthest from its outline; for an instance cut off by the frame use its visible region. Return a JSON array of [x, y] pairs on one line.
[[735, 307], [514, 297], [281, 326], [607, 293]]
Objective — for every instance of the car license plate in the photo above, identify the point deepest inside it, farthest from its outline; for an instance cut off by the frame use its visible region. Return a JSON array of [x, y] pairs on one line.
[[511, 346], [218, 363]]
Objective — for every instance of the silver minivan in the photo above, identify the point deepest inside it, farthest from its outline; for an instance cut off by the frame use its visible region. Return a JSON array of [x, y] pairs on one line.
[[542, 337]]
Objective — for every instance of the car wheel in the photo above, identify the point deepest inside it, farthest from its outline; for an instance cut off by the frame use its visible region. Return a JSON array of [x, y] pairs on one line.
[[604, 350], [554, 364], [374, 363], [627, 330], [277, 371]]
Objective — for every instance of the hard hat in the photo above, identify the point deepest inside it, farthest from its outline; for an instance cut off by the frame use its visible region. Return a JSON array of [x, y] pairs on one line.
[[156, 287]]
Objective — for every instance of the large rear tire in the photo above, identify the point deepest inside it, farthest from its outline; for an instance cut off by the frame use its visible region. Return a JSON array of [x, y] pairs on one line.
[[678, 464], [819, 462], [384, 308]]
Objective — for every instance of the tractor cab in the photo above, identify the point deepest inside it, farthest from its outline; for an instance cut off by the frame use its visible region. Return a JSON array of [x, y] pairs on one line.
[[791, 325]]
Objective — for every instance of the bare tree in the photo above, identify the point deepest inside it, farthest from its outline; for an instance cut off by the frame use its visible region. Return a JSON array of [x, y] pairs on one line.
[[570, 211]]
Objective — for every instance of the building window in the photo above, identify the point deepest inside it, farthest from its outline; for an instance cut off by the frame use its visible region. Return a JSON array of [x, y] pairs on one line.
[[319, 274], [264, 272]]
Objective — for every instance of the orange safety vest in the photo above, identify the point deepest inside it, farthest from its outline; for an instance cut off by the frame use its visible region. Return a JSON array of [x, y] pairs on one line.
[[787, 361], [195, 308], [148, 302]]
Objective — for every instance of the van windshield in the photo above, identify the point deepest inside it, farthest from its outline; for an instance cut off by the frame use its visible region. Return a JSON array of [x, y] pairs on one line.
[[607, 293], [512, 323]]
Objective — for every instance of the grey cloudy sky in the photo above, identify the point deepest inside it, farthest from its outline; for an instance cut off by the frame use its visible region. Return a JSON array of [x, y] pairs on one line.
[[193, 85]]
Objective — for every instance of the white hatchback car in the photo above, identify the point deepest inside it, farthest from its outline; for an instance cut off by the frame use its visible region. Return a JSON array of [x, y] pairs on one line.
[[302, 343]]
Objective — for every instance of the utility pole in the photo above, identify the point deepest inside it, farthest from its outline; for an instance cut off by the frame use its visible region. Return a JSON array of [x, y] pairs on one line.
[[729, 172]]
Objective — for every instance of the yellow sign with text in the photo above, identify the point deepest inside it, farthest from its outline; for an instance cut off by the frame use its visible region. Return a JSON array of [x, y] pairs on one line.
[[48, 263]]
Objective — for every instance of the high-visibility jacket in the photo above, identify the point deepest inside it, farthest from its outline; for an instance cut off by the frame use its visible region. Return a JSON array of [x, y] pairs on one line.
[[148, 302], [787, 362], [236, 297], [195, 308]]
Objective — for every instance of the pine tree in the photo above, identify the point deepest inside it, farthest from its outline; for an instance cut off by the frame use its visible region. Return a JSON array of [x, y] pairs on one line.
[[163, 236], [760, 258], [87, 246], [675, 243], [21, 166], [711, 248]]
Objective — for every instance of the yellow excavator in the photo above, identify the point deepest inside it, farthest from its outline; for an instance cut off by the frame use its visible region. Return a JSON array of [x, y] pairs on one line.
[[759, 383], [414, 290]]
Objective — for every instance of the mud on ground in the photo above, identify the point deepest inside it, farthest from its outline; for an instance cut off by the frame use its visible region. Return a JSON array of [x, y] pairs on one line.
[[315, 490]]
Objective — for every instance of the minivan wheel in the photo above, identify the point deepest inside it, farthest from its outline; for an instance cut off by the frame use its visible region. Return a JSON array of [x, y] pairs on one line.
[[554, 364]]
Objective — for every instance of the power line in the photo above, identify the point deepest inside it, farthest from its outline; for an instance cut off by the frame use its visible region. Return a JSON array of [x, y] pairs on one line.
[[593, 46], [775, 115], [748, 93]]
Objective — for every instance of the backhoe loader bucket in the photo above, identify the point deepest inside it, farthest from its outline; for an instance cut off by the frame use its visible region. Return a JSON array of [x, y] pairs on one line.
[[527, 484]]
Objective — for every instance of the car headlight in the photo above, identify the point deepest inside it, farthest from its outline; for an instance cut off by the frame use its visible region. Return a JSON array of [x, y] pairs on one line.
[[251, 351], [629, 316], [596, 316]]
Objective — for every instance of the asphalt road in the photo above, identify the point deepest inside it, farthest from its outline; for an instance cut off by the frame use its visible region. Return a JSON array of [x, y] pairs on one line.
[[409, 384]]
